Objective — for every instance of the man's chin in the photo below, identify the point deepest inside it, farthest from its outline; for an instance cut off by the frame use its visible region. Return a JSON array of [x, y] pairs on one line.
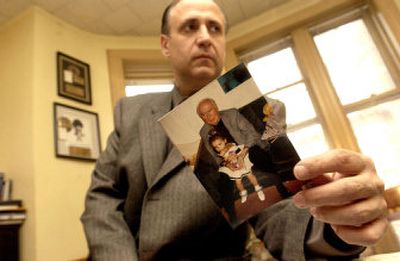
[[204, 73]]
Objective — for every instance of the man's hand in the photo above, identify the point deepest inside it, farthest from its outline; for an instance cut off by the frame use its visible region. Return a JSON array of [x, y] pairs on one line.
[[344, 191]]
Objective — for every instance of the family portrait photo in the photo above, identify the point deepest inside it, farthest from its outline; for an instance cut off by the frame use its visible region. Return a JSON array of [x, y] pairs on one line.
[[235, 140]]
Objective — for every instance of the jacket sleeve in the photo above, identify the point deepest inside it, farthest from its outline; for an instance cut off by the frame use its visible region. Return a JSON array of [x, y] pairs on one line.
[[245, 128], [290, 233], [283, 228], [107, 233]]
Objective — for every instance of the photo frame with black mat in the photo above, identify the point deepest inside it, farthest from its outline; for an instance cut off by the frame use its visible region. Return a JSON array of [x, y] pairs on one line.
[[73, 78], [76, 133]]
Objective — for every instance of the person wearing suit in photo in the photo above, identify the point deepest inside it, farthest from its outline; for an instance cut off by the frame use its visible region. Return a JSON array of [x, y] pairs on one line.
[[229, 123], [145, 203]]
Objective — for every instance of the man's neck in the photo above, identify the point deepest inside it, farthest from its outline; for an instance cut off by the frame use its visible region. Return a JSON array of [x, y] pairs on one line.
[[189, 87]]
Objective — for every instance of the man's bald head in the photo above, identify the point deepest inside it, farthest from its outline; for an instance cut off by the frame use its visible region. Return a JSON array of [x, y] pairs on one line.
[[165, 29], [207, 110]]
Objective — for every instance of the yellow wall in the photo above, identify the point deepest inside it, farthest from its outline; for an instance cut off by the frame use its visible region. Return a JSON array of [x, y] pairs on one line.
[[53, 189], [16, 121]]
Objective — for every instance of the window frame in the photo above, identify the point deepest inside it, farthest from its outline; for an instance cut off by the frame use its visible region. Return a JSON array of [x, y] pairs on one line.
[[380, 37], [331, 114]]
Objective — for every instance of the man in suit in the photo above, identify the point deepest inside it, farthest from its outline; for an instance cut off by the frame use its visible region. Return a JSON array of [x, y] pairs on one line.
[[230, 123], [145, 203]]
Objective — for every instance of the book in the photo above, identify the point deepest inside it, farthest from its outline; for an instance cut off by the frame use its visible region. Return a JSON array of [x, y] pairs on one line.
[[10, 204], [12, 212], [20, 215], [6, 205], [234, 138], [1, 184], [17, 202], [7, 190]]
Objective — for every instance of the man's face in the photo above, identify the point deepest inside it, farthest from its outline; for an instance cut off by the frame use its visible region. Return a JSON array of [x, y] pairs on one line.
[[196, 43], [209, 113], [218, 144]]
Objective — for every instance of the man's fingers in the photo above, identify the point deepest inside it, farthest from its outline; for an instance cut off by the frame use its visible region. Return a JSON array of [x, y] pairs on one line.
[[366, 235], [318, 181], [356, 214], [342, 161], [352, 202], [340, 192]]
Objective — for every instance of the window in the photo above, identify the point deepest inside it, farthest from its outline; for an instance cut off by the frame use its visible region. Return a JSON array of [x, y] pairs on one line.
[[136, 89], [377, 131], [354, 63], [360, 84], [367, 91], [147, 76], [278, 76]]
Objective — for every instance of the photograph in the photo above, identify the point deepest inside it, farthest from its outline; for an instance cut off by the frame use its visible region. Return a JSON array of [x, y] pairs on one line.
[[234, 138], [77, 134], [73, 78]]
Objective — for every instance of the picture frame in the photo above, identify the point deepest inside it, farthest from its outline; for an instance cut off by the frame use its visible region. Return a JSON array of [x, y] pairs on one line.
[[73, 77], [76, 133]]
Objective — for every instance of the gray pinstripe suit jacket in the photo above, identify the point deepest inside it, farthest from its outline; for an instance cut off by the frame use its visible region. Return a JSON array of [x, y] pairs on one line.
[[144, 203]]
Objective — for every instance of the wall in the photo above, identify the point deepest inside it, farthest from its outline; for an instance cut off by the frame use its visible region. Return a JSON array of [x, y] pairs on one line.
[[16, 121], [52, 188], [60, 184]]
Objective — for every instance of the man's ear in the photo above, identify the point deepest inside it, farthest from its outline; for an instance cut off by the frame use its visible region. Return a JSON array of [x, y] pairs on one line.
[[164, 43]]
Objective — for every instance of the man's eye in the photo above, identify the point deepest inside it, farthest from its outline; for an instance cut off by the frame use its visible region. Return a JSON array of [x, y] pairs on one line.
[[215, 28], [190, 27]]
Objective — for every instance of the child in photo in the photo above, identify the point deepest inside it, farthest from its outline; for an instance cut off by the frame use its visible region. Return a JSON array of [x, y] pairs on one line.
[[236, 164]]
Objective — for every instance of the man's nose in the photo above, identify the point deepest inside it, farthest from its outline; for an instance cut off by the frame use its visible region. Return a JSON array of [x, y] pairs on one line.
[[203, 37]]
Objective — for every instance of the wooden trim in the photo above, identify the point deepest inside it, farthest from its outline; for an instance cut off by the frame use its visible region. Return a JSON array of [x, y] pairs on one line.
[[231, 59], [276, 23], [373, 100], [384, 46], [328, 107], [117, 81], [391, 13]]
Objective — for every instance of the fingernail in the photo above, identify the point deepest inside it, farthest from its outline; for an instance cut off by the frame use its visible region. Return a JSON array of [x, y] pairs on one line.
[[334, 228], [300, 172], [299, 200], [313, 212]]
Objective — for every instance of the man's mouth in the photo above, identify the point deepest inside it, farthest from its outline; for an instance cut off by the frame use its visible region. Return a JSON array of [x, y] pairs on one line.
[[204, 56]]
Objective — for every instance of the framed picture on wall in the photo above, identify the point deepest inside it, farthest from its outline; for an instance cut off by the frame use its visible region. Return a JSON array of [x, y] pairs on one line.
[[73, 78], [76, 133]]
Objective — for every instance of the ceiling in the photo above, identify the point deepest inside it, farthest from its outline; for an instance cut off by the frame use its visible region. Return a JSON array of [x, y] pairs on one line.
[[125, 17]]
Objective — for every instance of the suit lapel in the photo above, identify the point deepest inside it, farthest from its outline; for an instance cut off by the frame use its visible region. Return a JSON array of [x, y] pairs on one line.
[[173, 160], [157, 159]]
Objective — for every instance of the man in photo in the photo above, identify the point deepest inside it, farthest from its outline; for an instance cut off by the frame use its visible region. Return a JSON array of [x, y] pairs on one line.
[[229, 123]]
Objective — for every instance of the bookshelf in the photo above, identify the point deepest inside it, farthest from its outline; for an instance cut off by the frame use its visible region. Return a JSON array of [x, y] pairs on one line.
[[12, 216]]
